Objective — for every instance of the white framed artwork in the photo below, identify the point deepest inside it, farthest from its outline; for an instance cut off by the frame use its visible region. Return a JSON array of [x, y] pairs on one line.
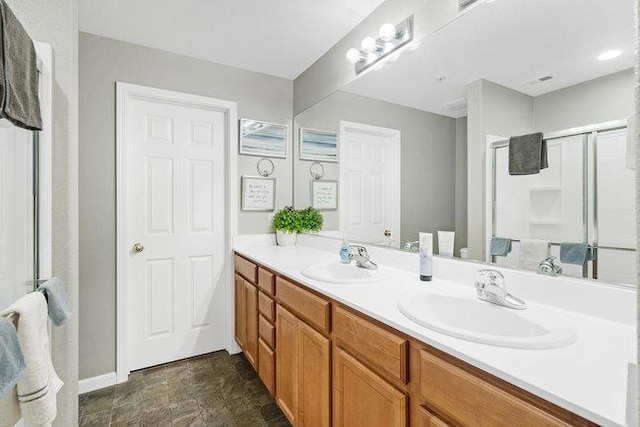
[[258, 193], [324, 195]]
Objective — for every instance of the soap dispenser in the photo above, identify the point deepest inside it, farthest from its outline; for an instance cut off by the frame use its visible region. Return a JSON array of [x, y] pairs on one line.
[[344, 251]]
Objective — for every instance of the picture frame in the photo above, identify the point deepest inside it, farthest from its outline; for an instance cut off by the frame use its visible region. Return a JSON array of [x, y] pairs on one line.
[[324, 194], [258, 193], [264, 139], [318, 145]]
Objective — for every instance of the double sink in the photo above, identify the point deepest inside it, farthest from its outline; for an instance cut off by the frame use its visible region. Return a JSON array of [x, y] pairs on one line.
[[456, 311]]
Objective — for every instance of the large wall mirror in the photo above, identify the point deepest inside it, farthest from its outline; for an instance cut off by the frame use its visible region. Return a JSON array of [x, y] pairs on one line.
[[423, 137]]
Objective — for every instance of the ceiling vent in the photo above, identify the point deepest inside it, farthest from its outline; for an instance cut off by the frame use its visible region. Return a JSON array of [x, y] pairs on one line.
[[457, 105], [466, 3], [540, 79]]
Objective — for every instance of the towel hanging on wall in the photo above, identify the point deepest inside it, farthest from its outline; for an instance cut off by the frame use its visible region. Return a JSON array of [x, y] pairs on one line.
[[19, 102], [527, 154]]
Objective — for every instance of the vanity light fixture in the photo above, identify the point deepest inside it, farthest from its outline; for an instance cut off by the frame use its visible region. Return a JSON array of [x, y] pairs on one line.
[[390, 39], [610, 54]]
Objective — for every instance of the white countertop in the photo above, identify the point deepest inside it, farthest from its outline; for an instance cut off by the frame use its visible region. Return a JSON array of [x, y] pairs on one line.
[[588, 377]]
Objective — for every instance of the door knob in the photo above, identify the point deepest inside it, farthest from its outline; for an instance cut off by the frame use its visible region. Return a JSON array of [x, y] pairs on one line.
[[138, 247], [387, 233]]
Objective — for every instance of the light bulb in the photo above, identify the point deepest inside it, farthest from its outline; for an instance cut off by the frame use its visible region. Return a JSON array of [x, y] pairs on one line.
[[609, 55], [388, 32], [353, 55], [369, 44]]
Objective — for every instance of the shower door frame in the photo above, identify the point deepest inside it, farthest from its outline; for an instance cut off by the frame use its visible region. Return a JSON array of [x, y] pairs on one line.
[[589, 184]]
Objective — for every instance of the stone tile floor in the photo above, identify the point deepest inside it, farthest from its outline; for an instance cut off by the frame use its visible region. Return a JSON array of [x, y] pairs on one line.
[[210, 390]]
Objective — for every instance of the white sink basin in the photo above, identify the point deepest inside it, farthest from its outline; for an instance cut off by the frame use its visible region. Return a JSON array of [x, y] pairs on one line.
[[336, 272], [462, 315]]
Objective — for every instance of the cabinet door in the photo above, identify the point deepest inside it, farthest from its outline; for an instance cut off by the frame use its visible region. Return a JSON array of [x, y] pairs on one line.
[[286, 362], [239, 314], [314, 352], [427, 419], [267, 364], [251, 325], [362, 398]]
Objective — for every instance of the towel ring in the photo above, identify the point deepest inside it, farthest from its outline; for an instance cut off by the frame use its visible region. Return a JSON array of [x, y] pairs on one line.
[[265, 167], [316, 170]]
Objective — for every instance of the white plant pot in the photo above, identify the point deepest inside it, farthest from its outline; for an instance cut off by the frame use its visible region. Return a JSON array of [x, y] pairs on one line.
[[286, 239]]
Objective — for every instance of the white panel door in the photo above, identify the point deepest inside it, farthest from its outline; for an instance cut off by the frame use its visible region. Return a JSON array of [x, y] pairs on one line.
[[176, 206], [370, 183]]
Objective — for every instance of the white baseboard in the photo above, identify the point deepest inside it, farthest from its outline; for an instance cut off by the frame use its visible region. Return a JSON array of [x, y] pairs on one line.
[[96, 383]]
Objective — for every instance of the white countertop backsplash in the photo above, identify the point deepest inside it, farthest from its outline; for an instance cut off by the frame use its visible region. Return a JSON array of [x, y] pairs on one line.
[[588, 377]]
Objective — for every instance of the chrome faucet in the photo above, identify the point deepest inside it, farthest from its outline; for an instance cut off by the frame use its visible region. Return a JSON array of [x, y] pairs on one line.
[[360, 255], [411, 246], [490, 287], [549, 267]]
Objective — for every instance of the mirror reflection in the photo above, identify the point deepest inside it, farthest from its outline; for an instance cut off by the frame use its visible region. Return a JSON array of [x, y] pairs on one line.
[[427, 141]]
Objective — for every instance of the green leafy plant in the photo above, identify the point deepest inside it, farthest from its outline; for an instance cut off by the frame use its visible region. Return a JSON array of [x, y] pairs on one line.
[[311, 220], [287, 219]]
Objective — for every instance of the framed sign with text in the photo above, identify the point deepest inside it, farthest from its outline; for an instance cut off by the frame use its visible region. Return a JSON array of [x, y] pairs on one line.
[[258, 193], [324, 194]]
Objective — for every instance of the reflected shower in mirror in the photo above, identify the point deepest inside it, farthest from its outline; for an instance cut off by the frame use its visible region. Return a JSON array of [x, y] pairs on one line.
[[422, 141]]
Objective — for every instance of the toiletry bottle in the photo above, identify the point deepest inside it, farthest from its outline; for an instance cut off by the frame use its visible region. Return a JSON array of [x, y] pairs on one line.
[[426, 256], [344, 251]]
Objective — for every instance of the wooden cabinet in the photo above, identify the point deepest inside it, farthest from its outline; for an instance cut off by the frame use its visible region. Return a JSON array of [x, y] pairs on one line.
[[251, 323], [287, 363], [302, 371], [427, 419], [329, 365], [472, 400], [362, 399], [239, 317]]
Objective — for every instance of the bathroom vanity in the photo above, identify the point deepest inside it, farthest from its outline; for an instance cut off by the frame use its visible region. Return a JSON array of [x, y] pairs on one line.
[[344, 355]]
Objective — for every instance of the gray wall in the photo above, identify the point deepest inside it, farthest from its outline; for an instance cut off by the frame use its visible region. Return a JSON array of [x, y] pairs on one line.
[[607, 98], [55, 22], [103, 62], [493, 110], [332, 71], [428, 158]]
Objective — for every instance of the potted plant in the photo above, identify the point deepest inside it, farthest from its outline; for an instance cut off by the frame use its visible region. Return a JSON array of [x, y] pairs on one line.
[[311, 220], [287, 222]]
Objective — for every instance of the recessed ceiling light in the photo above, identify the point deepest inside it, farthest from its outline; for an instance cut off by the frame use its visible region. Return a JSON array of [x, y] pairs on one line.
[[610, 54]]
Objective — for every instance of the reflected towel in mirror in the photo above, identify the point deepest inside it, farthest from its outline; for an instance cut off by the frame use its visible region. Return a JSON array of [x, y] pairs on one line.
[[574, 253], [59, 307], [532, 253], [527, 154], [500, 246]]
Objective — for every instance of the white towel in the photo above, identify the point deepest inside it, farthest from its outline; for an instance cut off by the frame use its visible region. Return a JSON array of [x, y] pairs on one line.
[[532, 253], [38, 387], [9, 408], [632, 131]]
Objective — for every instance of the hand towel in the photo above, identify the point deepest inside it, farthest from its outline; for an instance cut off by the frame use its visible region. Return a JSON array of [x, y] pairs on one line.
[[38, 387], [574, 253], [527, 154], [12, 365], [19, 101], [59, 307], [500, 246], [532, 253], [632, 138], [9, 408]]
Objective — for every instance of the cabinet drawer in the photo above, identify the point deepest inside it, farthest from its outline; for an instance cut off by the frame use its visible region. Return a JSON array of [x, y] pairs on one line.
[[267, 332], [427, 419], [312, 308], [267, 307], [473, 401], [371, 343], [267, 364], [266, 281], [246, 268]]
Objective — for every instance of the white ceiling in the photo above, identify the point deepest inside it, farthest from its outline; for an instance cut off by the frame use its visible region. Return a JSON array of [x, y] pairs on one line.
[[277, 37], [509, 42]]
